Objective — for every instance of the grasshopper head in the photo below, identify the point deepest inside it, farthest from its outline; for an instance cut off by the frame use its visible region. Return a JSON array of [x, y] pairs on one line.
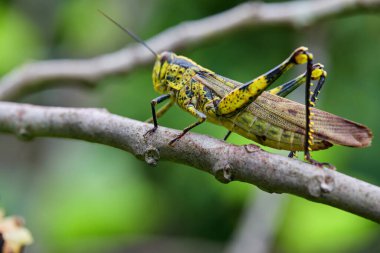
[[160, 68]]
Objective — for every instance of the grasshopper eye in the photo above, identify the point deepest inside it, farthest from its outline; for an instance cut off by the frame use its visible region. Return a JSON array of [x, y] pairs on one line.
[[165, 57], [159, 71]]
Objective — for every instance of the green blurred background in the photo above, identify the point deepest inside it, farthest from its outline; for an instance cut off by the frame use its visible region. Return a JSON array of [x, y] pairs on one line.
[[84, 197]]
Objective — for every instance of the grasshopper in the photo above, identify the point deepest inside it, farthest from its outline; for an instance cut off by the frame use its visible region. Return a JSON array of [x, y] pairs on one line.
[[266, 117]]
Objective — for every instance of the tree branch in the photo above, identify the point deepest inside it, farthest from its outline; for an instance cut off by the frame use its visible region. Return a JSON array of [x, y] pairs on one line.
[[227, 162], [37, 75]]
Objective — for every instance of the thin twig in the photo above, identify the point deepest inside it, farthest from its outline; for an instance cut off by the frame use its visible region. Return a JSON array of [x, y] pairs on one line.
[[270, 172], [37, 75]]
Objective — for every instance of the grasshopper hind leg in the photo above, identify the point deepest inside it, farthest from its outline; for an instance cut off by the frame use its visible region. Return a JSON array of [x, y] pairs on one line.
[[317, 72], [319, 164], [314, 72], [309, 103], [240, 97]]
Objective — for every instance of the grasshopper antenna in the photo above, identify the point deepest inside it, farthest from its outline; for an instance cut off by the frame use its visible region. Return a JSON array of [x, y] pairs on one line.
[[130, 33]]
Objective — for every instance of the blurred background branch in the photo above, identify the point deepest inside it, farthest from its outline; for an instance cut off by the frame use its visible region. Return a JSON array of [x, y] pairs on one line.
[[41, 74], [258, 224]]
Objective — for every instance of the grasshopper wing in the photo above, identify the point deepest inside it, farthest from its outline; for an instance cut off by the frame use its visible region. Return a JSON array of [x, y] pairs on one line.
[[218, 84], [326, 126], [290, 115]]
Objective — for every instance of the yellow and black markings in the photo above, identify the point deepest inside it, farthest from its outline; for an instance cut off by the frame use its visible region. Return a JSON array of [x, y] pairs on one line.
[[266, 117]]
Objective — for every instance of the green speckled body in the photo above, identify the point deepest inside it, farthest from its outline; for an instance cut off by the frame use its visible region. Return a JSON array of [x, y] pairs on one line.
[[267, 119], [246, 109]]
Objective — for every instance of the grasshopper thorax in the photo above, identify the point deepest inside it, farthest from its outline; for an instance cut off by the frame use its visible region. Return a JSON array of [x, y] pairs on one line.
[[171, 70]]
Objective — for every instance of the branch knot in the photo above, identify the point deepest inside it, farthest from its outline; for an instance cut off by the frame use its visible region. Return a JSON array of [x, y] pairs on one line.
[[151, 155], [321, 184], [223, 172]]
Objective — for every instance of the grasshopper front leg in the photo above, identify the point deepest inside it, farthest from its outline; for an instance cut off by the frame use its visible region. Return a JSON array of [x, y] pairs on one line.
[[153, 104], [201, 118], [161, 111]]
